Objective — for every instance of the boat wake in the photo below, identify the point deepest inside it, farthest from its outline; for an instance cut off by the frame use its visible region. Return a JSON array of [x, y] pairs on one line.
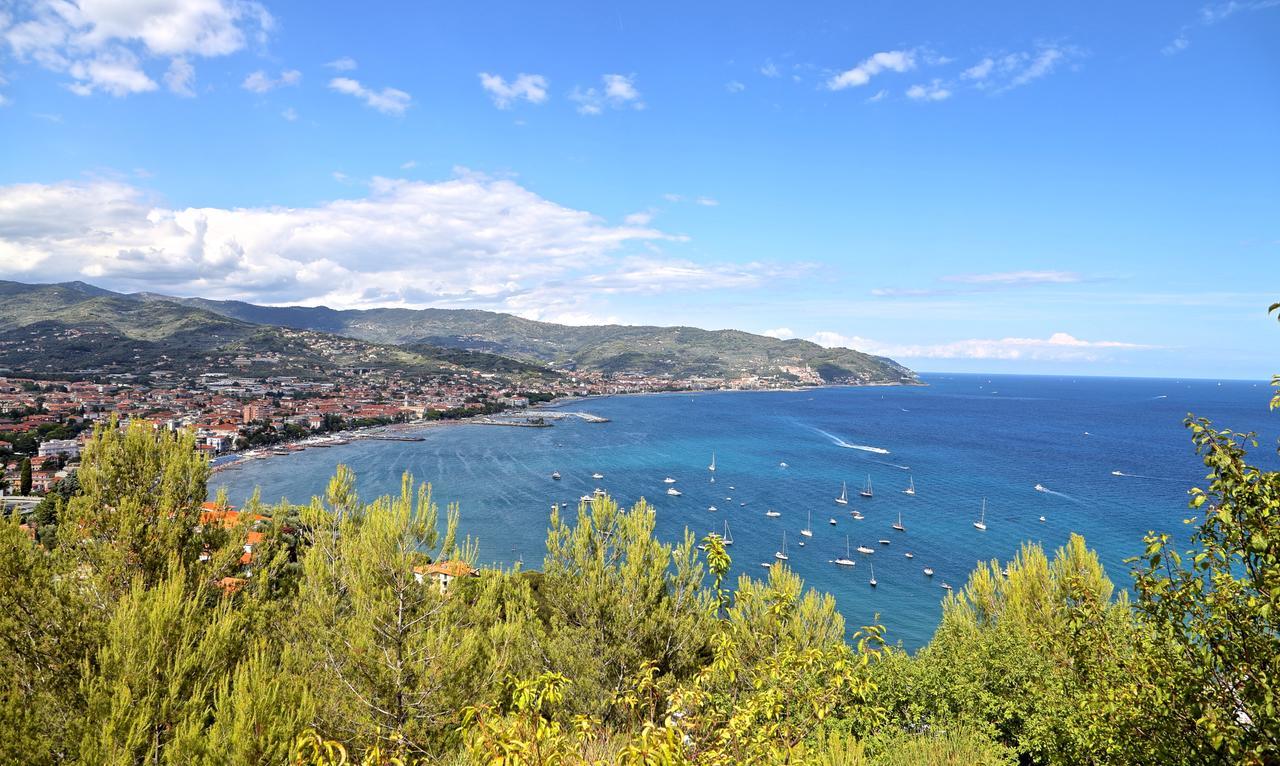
[[894, 465], [1124, 475], [836, 440], [1062, 495]]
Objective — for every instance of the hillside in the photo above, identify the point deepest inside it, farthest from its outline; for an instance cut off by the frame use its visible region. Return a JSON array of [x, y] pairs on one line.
[[65, 328], [678, 351]]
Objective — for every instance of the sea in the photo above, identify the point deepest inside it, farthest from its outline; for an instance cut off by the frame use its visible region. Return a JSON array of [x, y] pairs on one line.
[[1111, 455]]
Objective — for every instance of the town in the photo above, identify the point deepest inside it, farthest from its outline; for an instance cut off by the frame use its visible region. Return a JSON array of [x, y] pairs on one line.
[[44, 423]]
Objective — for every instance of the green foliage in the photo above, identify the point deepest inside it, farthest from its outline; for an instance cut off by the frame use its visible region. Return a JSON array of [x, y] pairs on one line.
[[619, 599], [24, 477], [1219, 606], [1045, 660]]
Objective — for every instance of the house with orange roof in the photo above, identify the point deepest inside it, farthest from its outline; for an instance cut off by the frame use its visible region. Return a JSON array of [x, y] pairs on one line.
[[444, 572]]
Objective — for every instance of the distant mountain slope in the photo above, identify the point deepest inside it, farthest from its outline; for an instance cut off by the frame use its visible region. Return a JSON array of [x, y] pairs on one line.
[[681, 351], [49, 329]]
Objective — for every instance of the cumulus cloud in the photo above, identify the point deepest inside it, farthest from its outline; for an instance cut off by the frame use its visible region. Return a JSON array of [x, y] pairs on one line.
[[894, 61], [934, 91], [1012, 70], [733, 86], [100, 45], [261, 82], [387, 100], [781, 333], [618, 91], [1059, 346], [470, 240], [527, 87]]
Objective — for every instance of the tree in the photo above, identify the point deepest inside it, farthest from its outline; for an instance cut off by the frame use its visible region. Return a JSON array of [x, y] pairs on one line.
[[1219, 605], [24, 477], [619, 599], [377, 649], [139, 505]]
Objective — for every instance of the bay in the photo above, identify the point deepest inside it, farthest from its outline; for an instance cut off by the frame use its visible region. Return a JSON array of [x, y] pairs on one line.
[[961, 438]]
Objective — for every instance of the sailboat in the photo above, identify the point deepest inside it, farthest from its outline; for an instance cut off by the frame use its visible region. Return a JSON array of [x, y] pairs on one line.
[[782, 554], [911, 487], [899, 526], [847, 561], [808, 531], [873, 575], [866, 491], [727, 539], [981, 523], [844, 494], [712, 467]]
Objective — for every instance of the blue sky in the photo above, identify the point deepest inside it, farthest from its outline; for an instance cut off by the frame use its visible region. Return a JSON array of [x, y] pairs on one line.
[[1085, 188]]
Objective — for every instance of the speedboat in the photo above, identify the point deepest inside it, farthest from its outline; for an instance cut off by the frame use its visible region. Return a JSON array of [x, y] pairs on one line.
[[668, 480], [772, 513], [866, 550], [928, 572], [1042, 518], [674, 492], [597, 475], [555, 475], [946, 587], [832, 521], [909, 555], [858, 516], [766, 564], [885, 542], [585, 499], [1041, 488], [712, 508]]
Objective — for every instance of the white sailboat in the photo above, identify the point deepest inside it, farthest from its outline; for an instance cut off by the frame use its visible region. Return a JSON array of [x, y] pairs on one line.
[[899, 526], [911, 487], [981, 523], [782, 554], [866, 491], [727, 539], [873, 575], [712, 467], [808, 527], [847, 561], [844, 494]]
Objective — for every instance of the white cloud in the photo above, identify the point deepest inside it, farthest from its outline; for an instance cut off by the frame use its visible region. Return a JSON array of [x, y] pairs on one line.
[[642, 218], [99, 43], [409, 165], [344, 64], [781, 333], [733, 86], [879, 96], [1017, 278], [1011, 70], [895, 61], [529, 87], [707, 202], [387, 100], [769, 69], [261, 82], [180, 78], [617, 92], [1213, 14], [467, 241], [934, 91], [1059, 346], [116, 72], [290, 114]]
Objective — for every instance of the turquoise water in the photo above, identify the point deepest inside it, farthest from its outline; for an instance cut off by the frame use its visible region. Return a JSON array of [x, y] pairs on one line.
[[962, 438]]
